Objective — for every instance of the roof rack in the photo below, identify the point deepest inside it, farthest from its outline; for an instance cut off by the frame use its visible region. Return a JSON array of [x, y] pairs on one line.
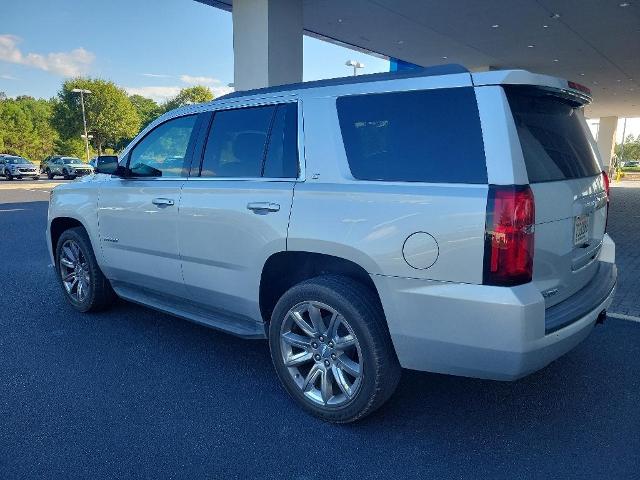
[[435, 70]]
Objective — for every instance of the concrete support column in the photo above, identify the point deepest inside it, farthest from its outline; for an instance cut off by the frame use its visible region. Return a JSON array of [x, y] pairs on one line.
[[607, 139], [267, 42]]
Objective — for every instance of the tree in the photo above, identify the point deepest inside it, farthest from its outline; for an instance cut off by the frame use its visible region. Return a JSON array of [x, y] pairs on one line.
[[26, 129], [631, 149], [186, 96], [111, 117], [148, 110]]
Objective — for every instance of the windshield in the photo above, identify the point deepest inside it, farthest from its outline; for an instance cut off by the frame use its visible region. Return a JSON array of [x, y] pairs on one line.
[[72, 161], [15, 160]]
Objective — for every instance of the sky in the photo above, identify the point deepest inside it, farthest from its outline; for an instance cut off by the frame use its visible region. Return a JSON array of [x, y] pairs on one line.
[[148, 47]]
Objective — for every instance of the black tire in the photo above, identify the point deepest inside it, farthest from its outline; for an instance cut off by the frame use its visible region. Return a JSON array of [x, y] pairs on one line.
[[37, 177], [101, 296], [8, 175], [361, 308], [49, 174], [65, 175]]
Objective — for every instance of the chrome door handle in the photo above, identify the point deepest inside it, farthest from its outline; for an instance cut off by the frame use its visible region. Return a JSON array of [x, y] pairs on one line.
[[162, 202], [259, 207]]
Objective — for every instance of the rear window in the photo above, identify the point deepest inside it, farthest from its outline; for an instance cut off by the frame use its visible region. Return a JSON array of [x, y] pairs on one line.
[[422, 136], [552, 135]]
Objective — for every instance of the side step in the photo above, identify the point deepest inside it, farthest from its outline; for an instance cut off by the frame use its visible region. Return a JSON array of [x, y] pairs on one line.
[[240, 326]]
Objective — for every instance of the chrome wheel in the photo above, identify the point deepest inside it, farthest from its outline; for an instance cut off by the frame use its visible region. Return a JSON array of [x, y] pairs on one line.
[[321, 353], [74, 271]]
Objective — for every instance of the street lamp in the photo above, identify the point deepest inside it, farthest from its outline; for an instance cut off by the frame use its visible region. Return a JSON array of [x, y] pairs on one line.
[[355, 65], [82, 92]]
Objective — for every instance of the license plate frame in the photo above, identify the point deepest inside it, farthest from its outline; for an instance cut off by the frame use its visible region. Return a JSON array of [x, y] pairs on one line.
[[581, 230]]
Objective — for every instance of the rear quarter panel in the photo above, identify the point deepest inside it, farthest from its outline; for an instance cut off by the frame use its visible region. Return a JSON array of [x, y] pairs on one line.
[[368, 222]]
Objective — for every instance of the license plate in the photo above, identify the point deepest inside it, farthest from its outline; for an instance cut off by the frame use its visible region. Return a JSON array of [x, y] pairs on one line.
[[581, 230]]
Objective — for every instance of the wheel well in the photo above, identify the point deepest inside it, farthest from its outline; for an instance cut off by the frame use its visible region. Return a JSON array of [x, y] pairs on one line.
[[58, 226], [283, 270]]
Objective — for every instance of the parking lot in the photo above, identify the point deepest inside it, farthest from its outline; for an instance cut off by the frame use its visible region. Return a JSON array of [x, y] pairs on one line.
[[132, 393]]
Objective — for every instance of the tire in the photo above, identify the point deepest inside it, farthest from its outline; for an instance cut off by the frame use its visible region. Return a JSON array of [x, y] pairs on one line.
[[100, 295], [8, 175], [65, 175], [378, 370], [37, 177], [49, 174]]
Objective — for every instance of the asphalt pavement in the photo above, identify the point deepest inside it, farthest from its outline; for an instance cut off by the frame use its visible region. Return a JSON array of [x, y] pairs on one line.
[[132, 393]]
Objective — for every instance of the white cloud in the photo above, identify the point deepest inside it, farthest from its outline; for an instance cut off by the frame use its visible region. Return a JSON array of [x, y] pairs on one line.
[[157, 93], [5, 76], [195, 80], [68, 64], [163, 93], [156, 75]]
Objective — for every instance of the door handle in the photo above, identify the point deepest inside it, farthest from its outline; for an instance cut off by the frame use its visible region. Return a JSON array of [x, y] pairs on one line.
[[162, 202], [262, 207]]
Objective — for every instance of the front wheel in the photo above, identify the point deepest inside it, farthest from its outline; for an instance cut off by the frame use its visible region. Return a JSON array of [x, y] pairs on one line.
[[65, 175], [8, 175], [49, 174], [85, 286], [37, 177], [331, 348]]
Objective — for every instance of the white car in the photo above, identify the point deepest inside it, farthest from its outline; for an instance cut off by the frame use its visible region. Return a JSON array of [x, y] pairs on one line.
[[434, 220]]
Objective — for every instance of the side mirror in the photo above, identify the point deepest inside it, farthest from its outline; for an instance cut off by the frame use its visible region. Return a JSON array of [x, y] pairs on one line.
[[107, 164]]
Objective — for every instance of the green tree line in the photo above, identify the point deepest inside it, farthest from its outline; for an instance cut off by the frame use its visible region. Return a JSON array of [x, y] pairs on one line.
[[36, 128], [631, 149]]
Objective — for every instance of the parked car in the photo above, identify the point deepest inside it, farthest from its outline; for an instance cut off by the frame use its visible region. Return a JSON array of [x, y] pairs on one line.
[[67, 167], [14, 166], [45, 162], [631, 164], [434, 220]]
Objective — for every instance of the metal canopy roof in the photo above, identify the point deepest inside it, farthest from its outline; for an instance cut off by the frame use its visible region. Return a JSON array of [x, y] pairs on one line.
[[593, 42]]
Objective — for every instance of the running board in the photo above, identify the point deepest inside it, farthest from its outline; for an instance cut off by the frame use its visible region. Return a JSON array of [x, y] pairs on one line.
[[240, 326]]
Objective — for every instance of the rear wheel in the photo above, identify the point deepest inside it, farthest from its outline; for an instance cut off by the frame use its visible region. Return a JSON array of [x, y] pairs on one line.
[[85, 286], [331, 348], [49, 174]]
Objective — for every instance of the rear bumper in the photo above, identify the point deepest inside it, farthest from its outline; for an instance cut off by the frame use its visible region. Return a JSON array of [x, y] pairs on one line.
[[477, 330]]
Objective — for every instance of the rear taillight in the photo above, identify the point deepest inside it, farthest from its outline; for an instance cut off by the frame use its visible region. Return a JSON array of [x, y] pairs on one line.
[[508, 245], [605, 180]]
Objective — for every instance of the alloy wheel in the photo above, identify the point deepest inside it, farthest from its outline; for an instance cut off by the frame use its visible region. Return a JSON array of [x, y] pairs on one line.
[[74, 271], [322, 354]]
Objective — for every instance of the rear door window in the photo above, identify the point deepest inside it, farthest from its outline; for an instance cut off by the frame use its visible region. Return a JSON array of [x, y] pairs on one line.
[[282, 155], [552, 135], [253, 142], [237, 142], [419, 136]]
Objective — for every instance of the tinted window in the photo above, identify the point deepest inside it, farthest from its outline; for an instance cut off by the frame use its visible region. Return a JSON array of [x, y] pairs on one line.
[[163, 152], [236, 143], [282, 155], [553, 139], [422, 136]]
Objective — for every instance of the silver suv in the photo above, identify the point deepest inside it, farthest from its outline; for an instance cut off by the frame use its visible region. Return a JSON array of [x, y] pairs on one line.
[[434, 220], [67, 167], [13, 166]]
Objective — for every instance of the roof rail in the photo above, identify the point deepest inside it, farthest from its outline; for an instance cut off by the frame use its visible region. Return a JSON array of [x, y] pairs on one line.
[[435, 70]]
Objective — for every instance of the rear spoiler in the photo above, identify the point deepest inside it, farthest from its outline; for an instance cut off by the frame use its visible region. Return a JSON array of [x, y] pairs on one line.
[[575, 91]]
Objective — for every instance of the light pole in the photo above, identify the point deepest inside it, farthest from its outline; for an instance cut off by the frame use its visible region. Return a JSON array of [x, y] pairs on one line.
[[84, 118], [355, 65]]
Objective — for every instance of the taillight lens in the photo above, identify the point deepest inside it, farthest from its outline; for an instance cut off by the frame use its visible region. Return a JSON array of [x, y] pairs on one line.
[[605, 179], [508, 246]]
